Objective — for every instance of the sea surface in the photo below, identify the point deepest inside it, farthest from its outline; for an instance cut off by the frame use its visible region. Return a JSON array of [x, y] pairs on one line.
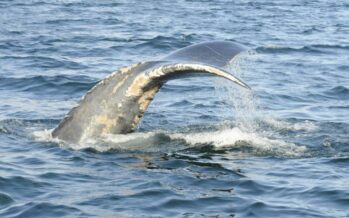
[[205, 148]]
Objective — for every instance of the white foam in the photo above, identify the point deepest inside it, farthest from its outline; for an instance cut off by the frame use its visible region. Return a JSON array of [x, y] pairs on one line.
[[43, 135], [160, 141], [307, 125], [235, 137]]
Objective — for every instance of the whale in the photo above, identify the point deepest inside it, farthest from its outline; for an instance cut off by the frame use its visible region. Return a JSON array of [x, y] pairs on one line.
[[116, 104]]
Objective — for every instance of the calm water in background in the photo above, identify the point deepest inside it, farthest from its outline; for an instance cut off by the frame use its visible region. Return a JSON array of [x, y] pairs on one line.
[[204, 148]]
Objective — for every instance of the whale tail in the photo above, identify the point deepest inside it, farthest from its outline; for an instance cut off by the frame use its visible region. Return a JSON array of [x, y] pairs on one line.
[[117, 103]]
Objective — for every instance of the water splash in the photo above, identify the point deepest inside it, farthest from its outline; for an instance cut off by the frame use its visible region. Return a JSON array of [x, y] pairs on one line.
[[241, 102], [252, 124]]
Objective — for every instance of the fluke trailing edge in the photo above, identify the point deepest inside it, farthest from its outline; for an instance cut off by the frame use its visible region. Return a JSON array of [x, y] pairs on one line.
[[117, 103]]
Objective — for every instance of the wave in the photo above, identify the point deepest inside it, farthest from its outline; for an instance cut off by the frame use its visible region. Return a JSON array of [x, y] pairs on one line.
[[280, 125], [42, 62], [41, 209], [48, 84], [24, 128], [338, 92], [5, 199], [316, 48], [83, 21], [340, 161], [165, 42], [185, 88]]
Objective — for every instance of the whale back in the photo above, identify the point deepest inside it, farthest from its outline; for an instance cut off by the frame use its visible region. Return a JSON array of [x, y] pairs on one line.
[[117, 103]]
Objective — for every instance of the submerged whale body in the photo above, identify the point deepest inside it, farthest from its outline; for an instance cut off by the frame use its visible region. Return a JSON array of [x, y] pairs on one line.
[[117, 103]]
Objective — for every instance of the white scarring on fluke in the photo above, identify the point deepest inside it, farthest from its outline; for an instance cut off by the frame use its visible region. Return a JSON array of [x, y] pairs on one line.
[[117, 103]]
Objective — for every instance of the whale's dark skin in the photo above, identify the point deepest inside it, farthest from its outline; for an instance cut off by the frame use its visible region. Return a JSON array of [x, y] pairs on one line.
[[117, 103]]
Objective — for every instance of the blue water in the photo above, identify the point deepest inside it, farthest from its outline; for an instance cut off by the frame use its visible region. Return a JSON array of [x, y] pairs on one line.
[[205, 147]]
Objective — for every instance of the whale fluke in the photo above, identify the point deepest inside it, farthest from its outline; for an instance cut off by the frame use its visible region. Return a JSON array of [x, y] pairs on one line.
[[116, 104]]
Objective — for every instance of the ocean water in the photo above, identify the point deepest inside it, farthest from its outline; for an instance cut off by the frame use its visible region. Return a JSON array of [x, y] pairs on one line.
[[205, 148]]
